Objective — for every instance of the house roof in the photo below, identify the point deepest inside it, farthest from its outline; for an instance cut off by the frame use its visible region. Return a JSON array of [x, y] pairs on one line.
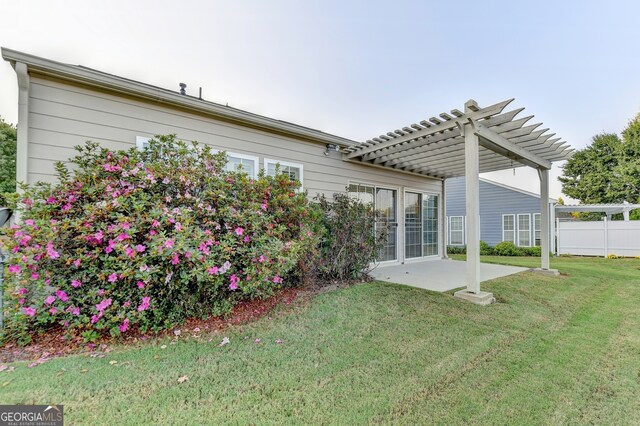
[[99, 79], [598, 208], [511, 188], [436, 147]]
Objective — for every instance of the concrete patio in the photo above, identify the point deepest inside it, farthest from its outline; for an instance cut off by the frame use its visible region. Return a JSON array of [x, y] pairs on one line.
[[439, 275]]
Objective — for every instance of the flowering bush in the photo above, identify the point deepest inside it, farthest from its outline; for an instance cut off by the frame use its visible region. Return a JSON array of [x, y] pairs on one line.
[[147, 239]]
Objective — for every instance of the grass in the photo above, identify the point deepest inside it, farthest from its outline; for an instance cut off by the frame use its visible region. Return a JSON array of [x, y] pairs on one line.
[[553, 350]]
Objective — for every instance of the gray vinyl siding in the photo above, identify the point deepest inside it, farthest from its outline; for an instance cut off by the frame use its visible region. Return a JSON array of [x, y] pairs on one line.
[[63, 115], [495, 201]]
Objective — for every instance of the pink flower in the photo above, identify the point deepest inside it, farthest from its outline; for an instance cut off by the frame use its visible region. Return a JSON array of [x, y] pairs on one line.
[[22, 291], [145, 304], [21, 301], [130, 252], [51, 252], [234, 282], [277, 279], [95, 319], [247, 239], [76, 263], [175, 259], [239, 231], [140, 248], [29, 311], [51, 200], [126, 225], [168, 244], [213, 270], [126, 304], [109, 248], [113, 278], [262, 259], [155, 223], [62, 295], [263, 206], [279, 341], [14, 269], [123, 236], [125, 325], [76, 311], [103, 305], [53, 310], [75, 283], [99, 236], [178, 226], [100, 292], [28, 222], [140, 284], [49, 300]]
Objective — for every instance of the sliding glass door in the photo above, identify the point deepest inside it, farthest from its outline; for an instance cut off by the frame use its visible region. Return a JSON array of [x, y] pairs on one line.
[[421, 225], [384, 201]]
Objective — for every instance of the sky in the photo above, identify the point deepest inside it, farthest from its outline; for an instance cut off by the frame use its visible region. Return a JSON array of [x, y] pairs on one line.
[[356, 69]]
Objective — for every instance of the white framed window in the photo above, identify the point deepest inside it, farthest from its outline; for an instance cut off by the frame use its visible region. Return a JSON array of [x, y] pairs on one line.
[[456, 230], [536, 229], [509, 228], [243, 162], [142, 142], [293, 170], [524, 230]]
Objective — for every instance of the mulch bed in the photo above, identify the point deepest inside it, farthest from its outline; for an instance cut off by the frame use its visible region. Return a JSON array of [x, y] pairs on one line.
[[54, 343]]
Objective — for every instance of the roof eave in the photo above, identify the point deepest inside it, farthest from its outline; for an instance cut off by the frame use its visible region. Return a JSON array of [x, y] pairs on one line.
[[130, 87]]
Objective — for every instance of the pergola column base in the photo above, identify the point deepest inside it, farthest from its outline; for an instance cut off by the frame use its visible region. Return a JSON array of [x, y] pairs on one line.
[[482, 298], [549, 272]]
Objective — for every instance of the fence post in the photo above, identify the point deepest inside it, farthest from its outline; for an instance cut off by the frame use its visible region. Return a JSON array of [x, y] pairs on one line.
[[606, 236], [557, 236]]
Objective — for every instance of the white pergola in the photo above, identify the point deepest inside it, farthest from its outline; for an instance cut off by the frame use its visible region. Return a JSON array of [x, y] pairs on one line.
[[468, 143], [608, 209]]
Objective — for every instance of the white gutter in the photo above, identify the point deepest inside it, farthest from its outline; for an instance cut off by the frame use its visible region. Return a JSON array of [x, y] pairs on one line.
[[130, 87], [22, 146]]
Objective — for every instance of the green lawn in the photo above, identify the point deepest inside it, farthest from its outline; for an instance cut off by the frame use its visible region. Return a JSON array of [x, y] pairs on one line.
[[563, 350]]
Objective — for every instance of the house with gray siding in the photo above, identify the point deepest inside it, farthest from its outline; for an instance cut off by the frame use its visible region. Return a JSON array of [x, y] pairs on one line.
[[62, 106], [506, 214]]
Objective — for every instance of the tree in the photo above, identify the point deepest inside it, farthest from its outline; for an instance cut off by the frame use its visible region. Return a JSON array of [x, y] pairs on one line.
[[608, 170], [8, 137]]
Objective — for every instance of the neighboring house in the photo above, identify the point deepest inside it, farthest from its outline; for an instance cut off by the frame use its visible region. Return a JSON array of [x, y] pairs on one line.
[[506, 214], [61, 106]]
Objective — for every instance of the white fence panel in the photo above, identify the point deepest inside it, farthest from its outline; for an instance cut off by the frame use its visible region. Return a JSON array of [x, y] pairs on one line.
[[600, 238]]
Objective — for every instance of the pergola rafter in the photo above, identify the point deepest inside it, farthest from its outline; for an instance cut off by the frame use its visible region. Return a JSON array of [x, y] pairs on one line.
[[467, 143]]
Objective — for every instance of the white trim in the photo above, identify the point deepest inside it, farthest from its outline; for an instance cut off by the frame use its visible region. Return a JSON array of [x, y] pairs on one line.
[[533, 229], [142, 142], [515, 227], [268, 161], [460, 230], [256, 161], [528, 215]]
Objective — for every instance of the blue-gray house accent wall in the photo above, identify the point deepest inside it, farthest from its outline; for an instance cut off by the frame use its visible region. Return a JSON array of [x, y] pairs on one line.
[[496, 200]]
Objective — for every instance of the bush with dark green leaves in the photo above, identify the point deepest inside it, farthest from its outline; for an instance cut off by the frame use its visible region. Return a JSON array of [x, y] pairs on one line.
[[507, 248]]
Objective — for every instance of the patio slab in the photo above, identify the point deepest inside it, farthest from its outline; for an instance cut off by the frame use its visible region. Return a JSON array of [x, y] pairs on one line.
[[439, 275]]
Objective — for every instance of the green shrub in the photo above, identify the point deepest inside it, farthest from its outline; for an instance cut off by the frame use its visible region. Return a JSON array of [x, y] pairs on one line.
[[485, 249], [456, 249], [350, 242], [531, 251], [146, 239], [507, 248]]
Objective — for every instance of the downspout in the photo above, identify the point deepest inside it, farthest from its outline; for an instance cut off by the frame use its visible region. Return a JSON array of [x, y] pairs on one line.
[[22, 146]]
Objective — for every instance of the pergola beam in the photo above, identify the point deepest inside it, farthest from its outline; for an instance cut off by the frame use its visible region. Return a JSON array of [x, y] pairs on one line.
[[501, 145]]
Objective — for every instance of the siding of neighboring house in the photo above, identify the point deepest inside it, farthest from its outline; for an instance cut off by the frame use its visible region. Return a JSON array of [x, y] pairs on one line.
[[495, 201]]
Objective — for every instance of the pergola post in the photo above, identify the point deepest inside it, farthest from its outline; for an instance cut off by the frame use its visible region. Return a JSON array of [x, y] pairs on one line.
[[472, 198], [544, 223]]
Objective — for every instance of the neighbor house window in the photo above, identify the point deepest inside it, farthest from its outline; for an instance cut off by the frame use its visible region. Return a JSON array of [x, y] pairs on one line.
[[509, 228], [536, 229], [241, 162], [524, 230], [293, 170], [142, 142], [456, 230]]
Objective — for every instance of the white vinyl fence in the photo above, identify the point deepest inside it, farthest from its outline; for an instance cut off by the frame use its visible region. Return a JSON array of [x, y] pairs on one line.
[[600, 238]]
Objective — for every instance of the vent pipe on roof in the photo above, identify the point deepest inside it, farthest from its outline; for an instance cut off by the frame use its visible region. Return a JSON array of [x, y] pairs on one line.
[[183, 89]]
